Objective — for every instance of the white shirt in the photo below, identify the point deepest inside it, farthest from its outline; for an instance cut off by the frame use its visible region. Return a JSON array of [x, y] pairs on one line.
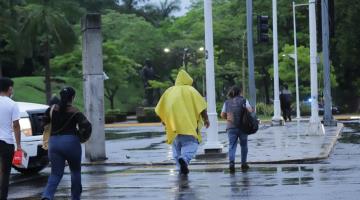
[[9, 112]]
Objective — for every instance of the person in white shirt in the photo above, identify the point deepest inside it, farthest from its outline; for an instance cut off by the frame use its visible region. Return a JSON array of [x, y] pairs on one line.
[[9, 125]]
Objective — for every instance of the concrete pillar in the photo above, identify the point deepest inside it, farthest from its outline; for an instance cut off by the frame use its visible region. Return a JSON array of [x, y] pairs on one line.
[[93, 76]]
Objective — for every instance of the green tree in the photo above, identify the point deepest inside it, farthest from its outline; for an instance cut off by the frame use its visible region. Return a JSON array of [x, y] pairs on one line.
[[136, 38], [119, 69], [344, 53], [46, 29]]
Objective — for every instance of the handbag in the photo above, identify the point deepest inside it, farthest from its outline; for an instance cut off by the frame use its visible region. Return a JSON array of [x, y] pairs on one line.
[[248, 120], [20, 159], [47, 131], [84, 132]]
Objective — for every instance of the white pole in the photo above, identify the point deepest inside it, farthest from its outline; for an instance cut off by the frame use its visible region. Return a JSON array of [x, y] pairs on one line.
[[277, 119], [315, 125], [212, 144], [296, 66]]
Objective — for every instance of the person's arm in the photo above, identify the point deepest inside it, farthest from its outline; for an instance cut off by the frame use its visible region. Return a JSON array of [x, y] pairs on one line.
[[223, 115], [205, 117], [248, 106], [16, 127]]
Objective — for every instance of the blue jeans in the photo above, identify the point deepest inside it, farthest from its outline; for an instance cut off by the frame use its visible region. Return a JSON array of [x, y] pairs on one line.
[[234, 135], [64, 148], [185, 147]]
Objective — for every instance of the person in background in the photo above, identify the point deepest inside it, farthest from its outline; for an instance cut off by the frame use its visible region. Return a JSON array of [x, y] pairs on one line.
[[9, 125], [285, 102], [231, 111], [181, 109], [64, 144]]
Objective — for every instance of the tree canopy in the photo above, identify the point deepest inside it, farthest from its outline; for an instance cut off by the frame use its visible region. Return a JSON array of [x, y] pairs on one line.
[[42, 37]]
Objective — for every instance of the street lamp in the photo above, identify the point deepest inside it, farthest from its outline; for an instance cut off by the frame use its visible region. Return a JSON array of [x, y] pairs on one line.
[[294, 56], [166, 50], [276, 119]]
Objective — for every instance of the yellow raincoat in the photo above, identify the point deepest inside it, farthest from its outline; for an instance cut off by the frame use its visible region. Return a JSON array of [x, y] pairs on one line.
[[179, 109]]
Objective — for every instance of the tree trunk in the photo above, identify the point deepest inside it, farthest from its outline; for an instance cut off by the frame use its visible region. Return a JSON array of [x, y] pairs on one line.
[[111, 99], [47, 72], [266, 85], [1, 74]]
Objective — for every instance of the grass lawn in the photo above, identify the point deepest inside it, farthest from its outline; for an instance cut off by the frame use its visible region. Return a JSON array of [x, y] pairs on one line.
[[32, 89]]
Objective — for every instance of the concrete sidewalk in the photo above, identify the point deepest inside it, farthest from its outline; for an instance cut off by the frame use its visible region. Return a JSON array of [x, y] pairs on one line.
[[145, 145]]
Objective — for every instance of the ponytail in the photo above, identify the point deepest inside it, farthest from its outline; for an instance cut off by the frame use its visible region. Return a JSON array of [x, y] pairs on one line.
[[66, 96]]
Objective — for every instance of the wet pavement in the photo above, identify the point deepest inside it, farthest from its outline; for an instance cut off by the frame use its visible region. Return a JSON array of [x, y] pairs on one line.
[[337, 177], [145, 145]]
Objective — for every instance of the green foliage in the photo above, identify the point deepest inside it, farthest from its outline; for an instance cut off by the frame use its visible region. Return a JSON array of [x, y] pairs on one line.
[[115, 115], [136, 38], [134, 30], [264, 109], [148, 115], [287, 73], [160, 85]]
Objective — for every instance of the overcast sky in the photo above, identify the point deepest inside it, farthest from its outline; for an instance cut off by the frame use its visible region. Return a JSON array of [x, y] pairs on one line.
[[184, 4]]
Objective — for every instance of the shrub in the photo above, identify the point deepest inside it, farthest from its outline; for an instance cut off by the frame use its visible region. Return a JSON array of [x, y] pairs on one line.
[[264, 109], [305, 109], [146, 114], [114, 115]]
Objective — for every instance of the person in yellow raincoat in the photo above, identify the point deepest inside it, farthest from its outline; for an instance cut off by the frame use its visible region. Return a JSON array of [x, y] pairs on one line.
[[183, 111]]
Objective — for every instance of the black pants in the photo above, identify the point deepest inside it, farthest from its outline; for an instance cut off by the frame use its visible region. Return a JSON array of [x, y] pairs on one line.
[[6, 156], [286, 111]]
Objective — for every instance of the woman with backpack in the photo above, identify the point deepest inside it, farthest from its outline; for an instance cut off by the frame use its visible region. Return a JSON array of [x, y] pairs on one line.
[[231, 111], [64, 143]]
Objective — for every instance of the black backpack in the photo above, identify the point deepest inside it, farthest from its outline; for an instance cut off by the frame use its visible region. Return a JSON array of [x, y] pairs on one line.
[[248, 123]]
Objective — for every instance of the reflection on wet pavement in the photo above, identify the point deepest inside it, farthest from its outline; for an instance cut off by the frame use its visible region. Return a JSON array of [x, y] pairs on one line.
[[336, 178], [119, 135]]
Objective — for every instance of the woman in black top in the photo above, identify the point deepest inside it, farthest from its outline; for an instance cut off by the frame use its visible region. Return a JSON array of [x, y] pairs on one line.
[[64, 144]]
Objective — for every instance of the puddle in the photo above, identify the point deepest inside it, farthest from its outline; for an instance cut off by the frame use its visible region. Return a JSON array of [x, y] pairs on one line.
[[119, 135], [350, 134], [153, 146]]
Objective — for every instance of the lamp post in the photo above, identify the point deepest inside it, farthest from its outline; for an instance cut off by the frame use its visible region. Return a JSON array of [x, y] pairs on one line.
[[315, 125], [277, 119], [294, 56], [296, 66], [212, 144]]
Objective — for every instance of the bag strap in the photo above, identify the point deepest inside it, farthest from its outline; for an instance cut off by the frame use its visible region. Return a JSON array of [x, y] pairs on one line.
[[51, 111], [67, 123]]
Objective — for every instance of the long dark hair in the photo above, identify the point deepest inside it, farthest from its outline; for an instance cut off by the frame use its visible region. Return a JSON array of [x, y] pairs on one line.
[[234, 92], [66, 96]]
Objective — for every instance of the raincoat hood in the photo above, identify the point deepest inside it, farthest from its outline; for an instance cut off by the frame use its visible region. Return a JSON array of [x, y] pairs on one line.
[[183, 78], [179, 108]]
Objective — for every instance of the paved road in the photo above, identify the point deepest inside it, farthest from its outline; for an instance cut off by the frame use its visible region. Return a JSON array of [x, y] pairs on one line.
[[332, 179]]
